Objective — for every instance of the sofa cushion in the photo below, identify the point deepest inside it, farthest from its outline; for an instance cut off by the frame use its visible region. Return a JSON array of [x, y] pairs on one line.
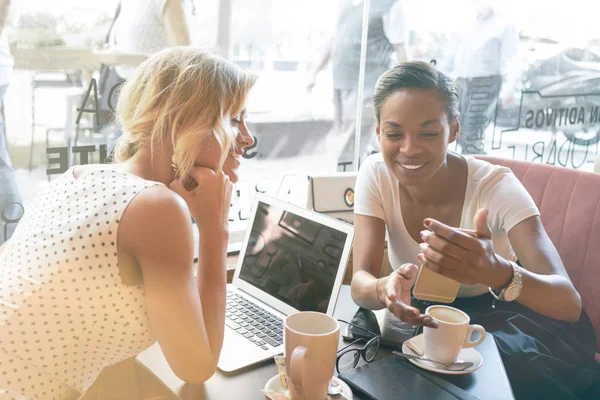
[[569, 204]]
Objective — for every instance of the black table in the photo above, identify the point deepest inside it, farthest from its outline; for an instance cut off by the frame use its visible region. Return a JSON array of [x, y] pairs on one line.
[[489, 382]]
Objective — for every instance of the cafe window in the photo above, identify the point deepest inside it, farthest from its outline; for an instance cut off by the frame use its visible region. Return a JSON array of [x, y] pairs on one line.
[[527, 74], [530, 84]]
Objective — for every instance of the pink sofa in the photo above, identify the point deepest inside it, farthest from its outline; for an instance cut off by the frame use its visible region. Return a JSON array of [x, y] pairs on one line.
[[569, 203]]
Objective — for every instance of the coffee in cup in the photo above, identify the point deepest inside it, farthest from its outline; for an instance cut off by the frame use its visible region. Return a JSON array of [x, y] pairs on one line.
[[452, 334], [311, 343]]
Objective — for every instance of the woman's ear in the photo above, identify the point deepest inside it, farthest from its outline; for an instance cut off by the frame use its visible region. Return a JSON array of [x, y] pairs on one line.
[[377, 133], [454, 130]]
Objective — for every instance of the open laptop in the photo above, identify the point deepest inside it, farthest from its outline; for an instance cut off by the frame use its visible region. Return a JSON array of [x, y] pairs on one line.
[[292, 259]]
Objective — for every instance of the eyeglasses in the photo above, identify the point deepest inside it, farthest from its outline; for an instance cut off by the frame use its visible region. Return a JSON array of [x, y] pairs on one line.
[[348, 358]]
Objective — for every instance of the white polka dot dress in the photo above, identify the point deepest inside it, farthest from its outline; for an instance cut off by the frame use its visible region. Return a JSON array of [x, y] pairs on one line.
[[64, 312]]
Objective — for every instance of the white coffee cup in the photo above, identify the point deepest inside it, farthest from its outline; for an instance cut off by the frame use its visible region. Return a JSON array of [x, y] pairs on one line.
[[311, 343], [452, 334]]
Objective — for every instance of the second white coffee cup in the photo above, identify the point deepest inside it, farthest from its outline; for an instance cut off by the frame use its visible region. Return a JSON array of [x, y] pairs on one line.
[[452, 335]]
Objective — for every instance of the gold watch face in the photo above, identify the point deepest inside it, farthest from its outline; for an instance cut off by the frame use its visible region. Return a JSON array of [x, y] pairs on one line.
[[512, 292], [349, 197]]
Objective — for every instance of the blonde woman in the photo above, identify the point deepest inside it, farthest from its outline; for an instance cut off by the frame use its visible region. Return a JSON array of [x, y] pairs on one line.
[[100, 266]]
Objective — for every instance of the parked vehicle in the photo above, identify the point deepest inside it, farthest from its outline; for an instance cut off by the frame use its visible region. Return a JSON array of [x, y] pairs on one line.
[[560, 94]]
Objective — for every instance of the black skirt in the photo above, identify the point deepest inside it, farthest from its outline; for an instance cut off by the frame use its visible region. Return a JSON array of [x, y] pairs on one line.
[[544, 358]]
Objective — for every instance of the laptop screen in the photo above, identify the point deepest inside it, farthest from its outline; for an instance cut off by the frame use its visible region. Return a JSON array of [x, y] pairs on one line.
[[292, 258]]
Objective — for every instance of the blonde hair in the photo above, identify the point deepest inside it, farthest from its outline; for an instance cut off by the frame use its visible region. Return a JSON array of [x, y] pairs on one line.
[[183, 94]]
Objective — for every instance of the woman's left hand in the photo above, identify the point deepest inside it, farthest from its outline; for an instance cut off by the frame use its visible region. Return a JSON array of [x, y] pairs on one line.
[[465, 258]]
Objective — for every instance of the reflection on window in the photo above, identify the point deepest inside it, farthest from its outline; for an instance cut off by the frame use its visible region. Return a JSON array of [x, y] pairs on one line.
[[528, 73]]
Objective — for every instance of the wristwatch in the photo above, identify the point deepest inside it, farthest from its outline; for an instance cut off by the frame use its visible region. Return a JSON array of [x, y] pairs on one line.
[[511, 291]]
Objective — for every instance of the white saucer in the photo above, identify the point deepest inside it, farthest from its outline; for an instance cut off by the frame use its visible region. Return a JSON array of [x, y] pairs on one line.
[[467, 355], [274, 384]]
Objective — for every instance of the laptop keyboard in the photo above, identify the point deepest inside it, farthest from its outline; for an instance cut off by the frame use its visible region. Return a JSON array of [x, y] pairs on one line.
[[254, 323]]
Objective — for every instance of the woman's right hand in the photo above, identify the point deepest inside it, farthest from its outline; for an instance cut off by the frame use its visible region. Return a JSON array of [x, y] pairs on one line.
[[395, 292], [208, 196]]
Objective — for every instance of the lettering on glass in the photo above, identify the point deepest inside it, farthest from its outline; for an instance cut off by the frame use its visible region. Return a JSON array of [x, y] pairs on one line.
[[93, 87], [248, 153], [58, 157], [572, 122], [7, 215], [96, 110]]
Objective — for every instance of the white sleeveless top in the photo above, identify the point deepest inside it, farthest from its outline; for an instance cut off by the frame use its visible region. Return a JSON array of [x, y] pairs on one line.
[[65, 312]]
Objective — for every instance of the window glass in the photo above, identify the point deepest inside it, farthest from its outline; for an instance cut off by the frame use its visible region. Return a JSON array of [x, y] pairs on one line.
[[528, 72]]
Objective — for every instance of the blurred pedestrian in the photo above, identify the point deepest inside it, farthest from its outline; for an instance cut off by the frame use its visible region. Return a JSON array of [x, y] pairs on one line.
[[387, 35]]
